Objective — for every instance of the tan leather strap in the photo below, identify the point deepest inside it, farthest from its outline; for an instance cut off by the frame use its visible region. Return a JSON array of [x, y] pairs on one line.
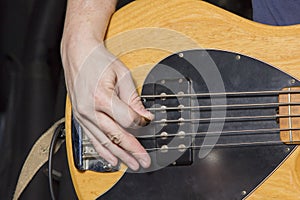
[[36, 158]]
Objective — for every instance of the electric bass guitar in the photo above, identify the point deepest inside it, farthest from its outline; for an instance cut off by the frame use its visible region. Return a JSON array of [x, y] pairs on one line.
[[225, 93]]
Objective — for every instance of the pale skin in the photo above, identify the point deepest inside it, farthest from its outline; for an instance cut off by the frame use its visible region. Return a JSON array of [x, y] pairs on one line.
[[107, 104]]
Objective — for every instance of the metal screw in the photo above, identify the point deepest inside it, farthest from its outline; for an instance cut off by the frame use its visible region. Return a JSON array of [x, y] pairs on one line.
[[238, 57], [180, 55], [244, 192], [293, 81], [108, 167]]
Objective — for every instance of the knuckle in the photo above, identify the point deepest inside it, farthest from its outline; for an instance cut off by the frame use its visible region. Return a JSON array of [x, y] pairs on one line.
[[107, 143], [135, 122], [102, 100], [135, 100], [131, 122], [116, 138], [81, 109]]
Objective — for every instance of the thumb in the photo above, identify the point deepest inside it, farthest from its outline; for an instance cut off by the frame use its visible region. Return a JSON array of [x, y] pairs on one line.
[[129, 95]]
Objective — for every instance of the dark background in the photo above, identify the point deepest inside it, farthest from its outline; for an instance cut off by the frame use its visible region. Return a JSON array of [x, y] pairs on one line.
[[32, 91]]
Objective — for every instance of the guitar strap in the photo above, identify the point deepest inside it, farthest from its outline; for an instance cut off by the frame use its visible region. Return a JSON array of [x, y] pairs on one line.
[[36, 158]]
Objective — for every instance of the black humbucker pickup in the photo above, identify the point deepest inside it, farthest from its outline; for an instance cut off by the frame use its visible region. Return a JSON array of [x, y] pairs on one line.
[[173, 141]]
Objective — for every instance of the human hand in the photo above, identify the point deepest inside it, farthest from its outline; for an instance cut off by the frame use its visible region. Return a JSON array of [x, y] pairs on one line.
[[105, 102]]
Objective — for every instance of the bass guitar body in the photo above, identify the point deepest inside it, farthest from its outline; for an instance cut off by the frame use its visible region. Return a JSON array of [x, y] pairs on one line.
[[225, 93]]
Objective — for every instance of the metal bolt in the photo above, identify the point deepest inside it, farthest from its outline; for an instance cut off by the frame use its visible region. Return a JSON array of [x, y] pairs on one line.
[[180, 55]]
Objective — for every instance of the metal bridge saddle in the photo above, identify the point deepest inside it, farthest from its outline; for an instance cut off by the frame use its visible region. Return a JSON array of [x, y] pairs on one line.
[[85, 155], [290, 125]]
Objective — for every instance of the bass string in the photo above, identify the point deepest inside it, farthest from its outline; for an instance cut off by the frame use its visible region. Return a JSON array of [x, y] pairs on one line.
[[219, 133], [215, 94], [180, 107], [182, 148], [223, 133], [222, 119], [228, 106], [238, 144]]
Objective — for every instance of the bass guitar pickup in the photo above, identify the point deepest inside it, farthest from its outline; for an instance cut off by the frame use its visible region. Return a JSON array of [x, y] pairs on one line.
[[173, 124]]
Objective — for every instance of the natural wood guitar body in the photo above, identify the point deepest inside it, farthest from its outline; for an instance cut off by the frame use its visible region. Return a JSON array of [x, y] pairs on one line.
[[144, 32]]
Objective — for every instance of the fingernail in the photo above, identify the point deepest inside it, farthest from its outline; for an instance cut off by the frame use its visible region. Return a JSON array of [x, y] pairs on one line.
[[112, 162], [133, 166], [145, 163], [149, 116], [145, 121]]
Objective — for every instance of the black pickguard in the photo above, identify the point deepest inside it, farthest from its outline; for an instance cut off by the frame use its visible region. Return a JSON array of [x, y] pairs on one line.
[[226, 172]]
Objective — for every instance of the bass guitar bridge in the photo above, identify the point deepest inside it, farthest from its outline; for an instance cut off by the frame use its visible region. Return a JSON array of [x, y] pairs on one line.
[[85, 156]]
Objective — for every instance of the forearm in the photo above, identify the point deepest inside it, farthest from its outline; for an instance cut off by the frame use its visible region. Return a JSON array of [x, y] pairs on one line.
[[88, 18], [85, 26]]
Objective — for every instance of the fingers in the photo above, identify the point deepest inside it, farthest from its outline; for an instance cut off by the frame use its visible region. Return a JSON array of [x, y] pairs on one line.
[[121, 140], [116, 96], [89, 128], [102, 151], [119, 111], [105, 101], [128, 148], [128, 93]]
